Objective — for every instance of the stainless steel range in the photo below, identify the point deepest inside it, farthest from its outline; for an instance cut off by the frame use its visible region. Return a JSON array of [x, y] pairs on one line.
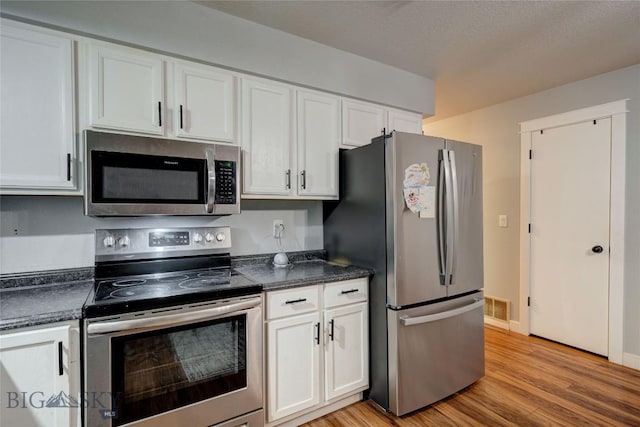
[[172, 336]]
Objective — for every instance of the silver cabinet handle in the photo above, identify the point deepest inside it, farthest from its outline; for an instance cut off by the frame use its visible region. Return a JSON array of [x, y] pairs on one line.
[[170, 319], [211, 179], [287, 175], [159, 113], [303, 175], [408, 321]]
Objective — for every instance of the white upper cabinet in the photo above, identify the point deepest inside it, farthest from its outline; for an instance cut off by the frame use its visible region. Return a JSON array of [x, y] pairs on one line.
[[267, 131], [318, 142], [126, 89], [404, 121], [204, 103], [37, 111], [361, 121]]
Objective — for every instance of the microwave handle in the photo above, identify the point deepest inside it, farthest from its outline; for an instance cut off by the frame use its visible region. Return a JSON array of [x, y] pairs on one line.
[[211, 179]]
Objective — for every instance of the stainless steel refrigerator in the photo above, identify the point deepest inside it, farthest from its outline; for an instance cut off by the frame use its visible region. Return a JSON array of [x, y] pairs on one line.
[[410, 209]]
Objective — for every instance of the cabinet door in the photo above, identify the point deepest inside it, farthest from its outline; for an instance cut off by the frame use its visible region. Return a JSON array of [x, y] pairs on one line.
[[347, 350], [404, 121], [205, 103], [35, 378], [267, 123], [293, 364], [126, 90], [318, 141], [37, 110], [361, 121]]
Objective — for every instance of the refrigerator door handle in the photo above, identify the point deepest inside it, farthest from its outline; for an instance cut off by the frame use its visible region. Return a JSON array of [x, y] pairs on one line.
[[454, 216], [448, 217], [442, 257], [409, 321]]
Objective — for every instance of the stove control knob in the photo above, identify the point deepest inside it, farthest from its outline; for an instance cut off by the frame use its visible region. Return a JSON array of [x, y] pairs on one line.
[[109, 241], [208, 237], [220, 237], [197, 237], [124, 241]]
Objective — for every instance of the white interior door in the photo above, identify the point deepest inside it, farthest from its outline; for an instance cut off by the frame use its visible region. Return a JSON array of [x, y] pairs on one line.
[[570, 196]]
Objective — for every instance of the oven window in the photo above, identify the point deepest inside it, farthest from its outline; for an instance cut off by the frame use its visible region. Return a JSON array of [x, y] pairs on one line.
[[158, 371], [139, 178]]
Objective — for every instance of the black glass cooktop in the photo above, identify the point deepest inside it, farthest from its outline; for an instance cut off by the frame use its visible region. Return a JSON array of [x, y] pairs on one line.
[[116, 295]]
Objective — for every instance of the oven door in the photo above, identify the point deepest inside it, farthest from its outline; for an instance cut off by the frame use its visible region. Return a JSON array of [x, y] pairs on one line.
[[194, 366]]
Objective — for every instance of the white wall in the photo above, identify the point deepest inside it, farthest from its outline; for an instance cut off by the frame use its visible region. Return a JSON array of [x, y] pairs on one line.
[[45, 233], [496, 129], [194, 31]]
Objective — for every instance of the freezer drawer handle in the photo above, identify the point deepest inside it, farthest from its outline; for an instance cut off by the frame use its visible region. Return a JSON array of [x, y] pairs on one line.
[[350, 291], [408, 321], [293, 301]]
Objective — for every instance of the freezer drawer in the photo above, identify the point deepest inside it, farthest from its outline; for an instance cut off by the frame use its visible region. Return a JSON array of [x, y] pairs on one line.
[[434, 351]]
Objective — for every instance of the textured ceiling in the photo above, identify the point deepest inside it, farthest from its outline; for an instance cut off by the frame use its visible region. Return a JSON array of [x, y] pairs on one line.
[[478, 52]]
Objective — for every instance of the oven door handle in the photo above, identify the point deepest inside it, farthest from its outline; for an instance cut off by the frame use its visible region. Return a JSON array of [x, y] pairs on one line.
[[170, 319]]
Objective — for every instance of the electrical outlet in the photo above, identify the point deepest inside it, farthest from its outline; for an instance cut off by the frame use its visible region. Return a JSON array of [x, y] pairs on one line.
[[278, 228]]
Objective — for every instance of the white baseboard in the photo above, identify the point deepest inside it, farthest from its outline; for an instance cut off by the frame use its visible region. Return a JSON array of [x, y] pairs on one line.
[[497, 323], [516, 326], [631, 360]]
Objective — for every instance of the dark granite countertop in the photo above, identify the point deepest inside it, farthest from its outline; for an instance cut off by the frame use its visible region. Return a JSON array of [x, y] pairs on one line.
[[300, 273], [22, 306], [39, 298]]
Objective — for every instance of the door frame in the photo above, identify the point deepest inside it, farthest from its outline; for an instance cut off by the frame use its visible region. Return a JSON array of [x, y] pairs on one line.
[[617, 112]]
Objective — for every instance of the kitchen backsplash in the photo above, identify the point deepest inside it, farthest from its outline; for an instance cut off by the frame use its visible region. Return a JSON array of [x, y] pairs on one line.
[[44, 233]]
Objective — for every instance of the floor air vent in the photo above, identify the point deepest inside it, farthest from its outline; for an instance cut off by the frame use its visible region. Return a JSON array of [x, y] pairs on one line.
[[496, 311]]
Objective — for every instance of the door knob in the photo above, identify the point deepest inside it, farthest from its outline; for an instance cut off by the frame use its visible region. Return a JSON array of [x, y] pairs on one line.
[[597, 249]]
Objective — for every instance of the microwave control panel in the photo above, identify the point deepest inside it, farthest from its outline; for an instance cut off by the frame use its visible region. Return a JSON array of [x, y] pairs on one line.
[[226, 184]]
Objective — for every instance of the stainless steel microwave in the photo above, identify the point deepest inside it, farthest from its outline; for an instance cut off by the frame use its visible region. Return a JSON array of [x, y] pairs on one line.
[[129, 175]]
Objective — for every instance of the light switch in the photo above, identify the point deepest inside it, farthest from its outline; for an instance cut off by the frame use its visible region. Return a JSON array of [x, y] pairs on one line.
[[503, 221]]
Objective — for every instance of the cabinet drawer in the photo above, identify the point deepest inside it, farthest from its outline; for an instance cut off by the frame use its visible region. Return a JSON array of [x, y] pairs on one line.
[[290, 302], [346, 292]]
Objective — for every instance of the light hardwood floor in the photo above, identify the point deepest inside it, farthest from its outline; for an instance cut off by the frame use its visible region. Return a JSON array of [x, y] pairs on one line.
[[529, 382]]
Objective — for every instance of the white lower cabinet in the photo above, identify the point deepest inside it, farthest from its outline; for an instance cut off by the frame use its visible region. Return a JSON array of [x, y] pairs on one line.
[[40, 376], [347, 351], [293, 361], [317, 347]]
